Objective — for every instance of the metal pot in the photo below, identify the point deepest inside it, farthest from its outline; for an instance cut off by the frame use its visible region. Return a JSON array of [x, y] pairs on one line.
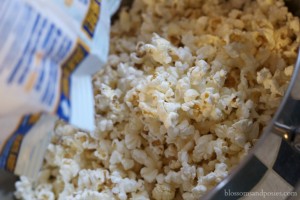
[[272, 168], [273, 165]]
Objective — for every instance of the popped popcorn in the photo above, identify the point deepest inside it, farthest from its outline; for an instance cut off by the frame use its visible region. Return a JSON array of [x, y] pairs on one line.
[[163, 192], [187, 90]]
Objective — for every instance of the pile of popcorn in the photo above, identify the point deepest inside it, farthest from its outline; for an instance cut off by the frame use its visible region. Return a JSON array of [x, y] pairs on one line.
[[187, 91]]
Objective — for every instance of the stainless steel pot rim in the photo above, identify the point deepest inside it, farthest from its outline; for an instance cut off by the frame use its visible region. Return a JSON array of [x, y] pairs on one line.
[[289, 133]]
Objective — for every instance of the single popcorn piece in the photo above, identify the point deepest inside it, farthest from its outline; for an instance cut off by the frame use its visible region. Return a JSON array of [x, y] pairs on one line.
[[163, 192], [186, 91], [92, 179], [149, 174], [159, 50], [69, 169]]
